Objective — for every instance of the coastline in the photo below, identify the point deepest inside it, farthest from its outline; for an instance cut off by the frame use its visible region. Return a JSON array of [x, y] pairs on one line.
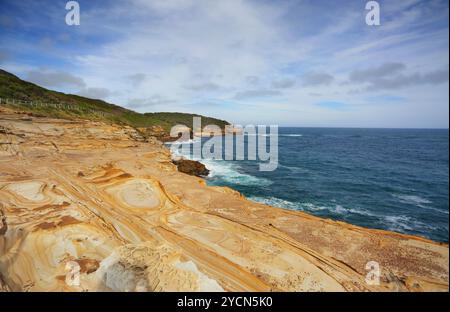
[[78, 191], [389, 195], [205, 177]]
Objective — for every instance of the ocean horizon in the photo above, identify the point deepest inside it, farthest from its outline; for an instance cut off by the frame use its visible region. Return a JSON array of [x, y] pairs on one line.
[[225, 148], [392, 179]]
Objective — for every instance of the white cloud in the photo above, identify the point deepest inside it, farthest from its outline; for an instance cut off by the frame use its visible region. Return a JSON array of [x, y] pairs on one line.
[[54, 78], [260, 59], [258, 94], [95, 93], [317, 79]]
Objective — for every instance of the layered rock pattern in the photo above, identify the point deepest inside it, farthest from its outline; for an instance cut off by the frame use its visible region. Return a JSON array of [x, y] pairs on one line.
[[87, 206]]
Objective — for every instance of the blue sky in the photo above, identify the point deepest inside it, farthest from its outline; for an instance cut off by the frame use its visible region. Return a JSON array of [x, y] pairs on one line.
[[289, 62]]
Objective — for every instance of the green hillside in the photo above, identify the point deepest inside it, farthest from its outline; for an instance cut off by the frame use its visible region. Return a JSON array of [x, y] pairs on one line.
[[43, 102]]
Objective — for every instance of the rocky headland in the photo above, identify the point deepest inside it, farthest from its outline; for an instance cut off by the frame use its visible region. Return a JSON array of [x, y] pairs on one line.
[[104, 204]]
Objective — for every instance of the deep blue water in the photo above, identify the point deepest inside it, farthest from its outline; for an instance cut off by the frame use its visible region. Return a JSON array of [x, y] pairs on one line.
[[393, 179]]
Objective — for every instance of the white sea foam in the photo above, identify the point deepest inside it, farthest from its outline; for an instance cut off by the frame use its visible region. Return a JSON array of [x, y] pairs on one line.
[[404, 223], [275, 202], [398, 223], [229, 172], [343, 211], [306, 206], [418, 201], [412, 199], [294, 169]]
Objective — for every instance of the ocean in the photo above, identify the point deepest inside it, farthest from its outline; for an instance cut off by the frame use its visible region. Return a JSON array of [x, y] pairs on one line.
[[391, 179]]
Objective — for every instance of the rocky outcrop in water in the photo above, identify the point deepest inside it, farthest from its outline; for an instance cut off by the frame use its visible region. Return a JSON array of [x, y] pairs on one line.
[[191, 167], [88, 206]]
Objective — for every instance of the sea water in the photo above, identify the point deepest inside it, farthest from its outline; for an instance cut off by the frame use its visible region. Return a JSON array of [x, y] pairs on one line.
[[392, 179]]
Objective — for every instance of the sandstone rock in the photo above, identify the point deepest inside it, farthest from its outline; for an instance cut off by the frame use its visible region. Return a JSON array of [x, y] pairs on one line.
[[191, 167], [160, 133], [114, 211], [88, 266], [157, 132], [3, 225]]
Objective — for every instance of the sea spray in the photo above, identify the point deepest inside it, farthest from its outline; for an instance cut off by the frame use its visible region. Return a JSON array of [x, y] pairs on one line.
[[237, 146]]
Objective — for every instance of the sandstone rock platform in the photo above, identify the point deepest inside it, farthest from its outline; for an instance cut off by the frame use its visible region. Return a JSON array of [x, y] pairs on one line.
[[90, 200]]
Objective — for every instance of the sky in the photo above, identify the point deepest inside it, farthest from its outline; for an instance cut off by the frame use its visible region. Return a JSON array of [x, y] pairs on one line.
[[286, 62]]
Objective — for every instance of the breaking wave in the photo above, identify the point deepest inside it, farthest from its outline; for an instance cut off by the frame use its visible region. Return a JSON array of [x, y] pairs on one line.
[[399, 223]]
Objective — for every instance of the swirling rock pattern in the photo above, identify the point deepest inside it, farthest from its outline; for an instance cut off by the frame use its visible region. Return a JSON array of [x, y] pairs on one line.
[[86, 206]]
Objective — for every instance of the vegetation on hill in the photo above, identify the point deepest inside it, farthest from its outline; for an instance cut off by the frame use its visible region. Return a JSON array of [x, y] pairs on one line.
[[40, 101]]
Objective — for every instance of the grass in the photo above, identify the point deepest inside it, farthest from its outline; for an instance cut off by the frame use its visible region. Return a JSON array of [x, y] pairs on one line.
[[72, 106]]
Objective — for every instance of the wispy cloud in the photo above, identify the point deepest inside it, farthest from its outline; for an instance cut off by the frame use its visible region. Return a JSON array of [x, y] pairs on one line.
[[136, 79], [334, 105], [283, 83], [54, 78], [258, 93], [317, 79], [95, 93], [390, 76], [207, 86], [154, 100]]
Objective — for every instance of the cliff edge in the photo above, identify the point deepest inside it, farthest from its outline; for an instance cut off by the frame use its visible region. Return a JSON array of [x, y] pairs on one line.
[[90, 206]]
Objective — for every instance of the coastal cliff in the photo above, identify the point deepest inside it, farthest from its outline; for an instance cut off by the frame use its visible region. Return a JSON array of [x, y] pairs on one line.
[[104, 203]]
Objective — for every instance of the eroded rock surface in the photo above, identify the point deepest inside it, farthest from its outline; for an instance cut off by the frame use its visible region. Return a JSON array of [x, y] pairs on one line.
[[86, 206]]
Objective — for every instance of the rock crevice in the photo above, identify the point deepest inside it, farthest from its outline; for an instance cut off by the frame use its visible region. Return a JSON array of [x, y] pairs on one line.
[[110, 211]]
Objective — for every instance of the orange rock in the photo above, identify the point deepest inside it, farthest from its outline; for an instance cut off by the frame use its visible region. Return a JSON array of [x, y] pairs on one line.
[[109, 210]]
